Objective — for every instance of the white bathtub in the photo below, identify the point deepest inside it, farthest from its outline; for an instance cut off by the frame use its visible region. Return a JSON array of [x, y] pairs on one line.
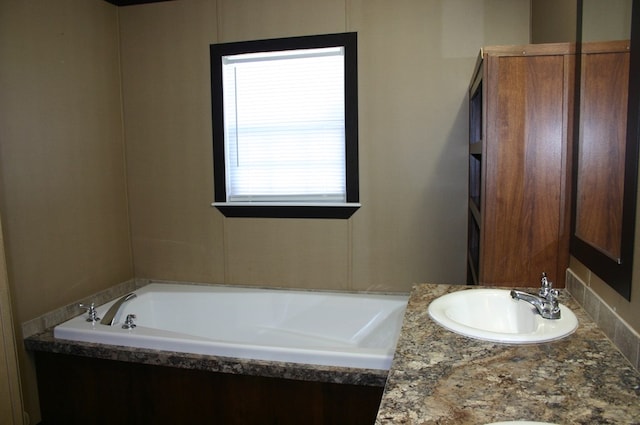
[[311, 327]]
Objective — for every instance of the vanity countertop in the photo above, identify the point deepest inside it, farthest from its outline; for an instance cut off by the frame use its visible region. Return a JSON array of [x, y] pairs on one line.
[[439, 377]]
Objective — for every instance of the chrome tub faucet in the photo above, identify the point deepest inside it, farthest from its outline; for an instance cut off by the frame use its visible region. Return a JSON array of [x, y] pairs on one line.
[[109, 319], [546, 302], [92, 313]]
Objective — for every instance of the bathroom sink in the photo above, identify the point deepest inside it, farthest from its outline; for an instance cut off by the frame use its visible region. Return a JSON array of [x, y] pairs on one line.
[[492, 315]]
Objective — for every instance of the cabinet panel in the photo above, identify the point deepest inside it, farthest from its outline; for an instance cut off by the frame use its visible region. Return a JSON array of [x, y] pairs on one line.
[[603, 131], [83, 390], [524, 204]]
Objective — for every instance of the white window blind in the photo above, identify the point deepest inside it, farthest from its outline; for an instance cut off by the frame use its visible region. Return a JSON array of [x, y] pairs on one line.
[[284, 126]]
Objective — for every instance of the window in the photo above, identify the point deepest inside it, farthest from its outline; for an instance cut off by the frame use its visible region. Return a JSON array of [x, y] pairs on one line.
[[285, 127]]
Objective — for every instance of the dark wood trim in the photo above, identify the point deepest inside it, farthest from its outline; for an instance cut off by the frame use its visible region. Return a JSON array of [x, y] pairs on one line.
[[133, 2], [294, 211], [217, 51], [617, 274], [350, 41], [632, 146], [83, 390], [217, 120]]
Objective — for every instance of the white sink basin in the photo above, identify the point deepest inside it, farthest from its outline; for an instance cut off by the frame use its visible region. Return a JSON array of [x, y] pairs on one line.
[[492, 315]]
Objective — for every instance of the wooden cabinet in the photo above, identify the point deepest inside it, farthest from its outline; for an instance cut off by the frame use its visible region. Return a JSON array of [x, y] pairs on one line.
[[520, 120], [84, 390]]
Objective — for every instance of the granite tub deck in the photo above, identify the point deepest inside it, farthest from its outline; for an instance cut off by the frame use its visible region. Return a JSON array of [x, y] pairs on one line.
[[439, 377], [45, 341]]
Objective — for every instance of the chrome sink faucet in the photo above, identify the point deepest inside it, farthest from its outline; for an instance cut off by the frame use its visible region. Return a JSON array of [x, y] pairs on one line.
[[546, 302]]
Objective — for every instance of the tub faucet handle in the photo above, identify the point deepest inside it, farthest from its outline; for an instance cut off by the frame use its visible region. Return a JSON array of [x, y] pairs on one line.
[[92, 314], [128, 322]]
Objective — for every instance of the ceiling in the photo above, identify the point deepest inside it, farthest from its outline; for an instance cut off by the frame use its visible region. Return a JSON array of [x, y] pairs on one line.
[[132, 2]]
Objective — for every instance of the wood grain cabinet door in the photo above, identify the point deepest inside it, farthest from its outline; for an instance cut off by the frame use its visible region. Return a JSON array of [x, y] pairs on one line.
[[525, 162]]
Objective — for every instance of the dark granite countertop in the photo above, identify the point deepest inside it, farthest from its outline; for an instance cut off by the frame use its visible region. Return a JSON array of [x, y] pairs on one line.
[[439, 377], [45, 341]]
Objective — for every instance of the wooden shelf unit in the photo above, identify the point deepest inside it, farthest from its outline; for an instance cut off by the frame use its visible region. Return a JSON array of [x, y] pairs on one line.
[[520, 120]]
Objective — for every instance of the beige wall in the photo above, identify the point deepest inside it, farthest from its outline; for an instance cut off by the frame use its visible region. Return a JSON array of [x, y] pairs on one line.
[[415, 61], [602, 21], [553, 21], [62, 175], [82, 79], [62, 162], [64, 202]]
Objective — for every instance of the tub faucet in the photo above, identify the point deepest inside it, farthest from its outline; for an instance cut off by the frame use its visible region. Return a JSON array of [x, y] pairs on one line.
[[109, 319], [128, 322], [92, 313], [546, 302]]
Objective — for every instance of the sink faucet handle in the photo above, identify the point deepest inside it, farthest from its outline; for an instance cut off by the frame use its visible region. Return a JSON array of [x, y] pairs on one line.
[[91, 312], [552, 299], [544, 281], [545, 286]]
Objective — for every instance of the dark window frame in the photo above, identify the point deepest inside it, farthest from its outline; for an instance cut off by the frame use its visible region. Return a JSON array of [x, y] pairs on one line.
[[294, 210]]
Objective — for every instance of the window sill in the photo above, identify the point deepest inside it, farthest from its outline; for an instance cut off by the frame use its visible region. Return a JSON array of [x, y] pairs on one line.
[[286, 210]]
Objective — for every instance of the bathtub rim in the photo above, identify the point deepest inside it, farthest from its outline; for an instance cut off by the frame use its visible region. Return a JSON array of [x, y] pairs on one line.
[[305, 348], [38, 336], [55, 317]]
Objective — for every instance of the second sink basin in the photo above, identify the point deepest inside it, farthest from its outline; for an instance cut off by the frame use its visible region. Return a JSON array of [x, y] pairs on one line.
[[492, 315]]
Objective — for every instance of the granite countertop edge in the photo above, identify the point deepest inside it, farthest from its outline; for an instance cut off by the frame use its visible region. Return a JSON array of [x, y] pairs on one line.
[[46, 342], [439, 377]]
